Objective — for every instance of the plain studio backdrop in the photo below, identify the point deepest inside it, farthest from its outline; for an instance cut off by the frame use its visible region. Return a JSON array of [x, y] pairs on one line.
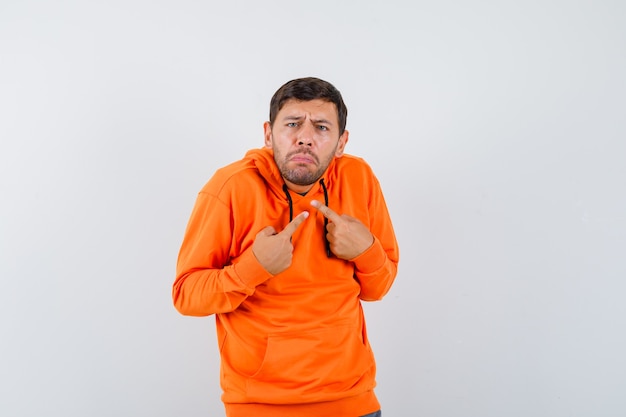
[[497, 130]]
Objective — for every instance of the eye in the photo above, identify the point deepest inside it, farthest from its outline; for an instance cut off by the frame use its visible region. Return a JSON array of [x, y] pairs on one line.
[[292, 124], [322, 127]]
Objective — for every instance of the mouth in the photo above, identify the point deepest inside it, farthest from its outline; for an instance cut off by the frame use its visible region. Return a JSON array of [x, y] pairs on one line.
[[303, 158]]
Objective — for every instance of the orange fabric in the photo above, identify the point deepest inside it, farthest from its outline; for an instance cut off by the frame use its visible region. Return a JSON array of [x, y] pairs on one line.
[[295, 341], [359, 405]]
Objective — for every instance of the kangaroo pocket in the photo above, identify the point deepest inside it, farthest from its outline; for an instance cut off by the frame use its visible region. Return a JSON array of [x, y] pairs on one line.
[[312, 366]]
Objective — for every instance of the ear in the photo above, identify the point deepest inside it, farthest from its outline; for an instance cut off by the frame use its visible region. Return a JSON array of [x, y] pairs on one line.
[[267, 132], [341, 145]]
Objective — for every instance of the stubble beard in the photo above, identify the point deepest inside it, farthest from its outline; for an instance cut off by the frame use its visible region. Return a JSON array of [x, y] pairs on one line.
[[301, 175]]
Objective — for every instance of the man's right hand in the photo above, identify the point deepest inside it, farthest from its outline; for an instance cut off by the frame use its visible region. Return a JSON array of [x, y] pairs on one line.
[[274, 250]]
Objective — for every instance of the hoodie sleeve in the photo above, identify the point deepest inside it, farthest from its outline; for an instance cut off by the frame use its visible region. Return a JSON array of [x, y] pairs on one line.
[[376, 268], [207, 280]]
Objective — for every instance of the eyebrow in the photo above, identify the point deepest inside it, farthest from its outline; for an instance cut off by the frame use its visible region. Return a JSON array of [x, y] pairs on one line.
[[298, 118], [328, 122], [292, 118]]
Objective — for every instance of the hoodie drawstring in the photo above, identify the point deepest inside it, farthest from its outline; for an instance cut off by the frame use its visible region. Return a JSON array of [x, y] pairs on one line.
[[326, 242], [290, 201], [286, 190]]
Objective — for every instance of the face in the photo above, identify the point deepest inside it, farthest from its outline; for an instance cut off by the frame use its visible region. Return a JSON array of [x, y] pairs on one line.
[[305, 138]]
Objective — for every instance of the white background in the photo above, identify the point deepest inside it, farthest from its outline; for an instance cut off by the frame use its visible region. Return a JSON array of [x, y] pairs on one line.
[[498, 132]]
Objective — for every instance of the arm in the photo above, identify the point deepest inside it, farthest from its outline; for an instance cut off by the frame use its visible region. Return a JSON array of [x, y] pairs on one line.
[[372, 248], [376, 268], [208, 280]]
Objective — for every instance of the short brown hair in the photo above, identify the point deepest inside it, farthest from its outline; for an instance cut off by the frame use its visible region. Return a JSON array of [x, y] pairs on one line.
[[307, 89]]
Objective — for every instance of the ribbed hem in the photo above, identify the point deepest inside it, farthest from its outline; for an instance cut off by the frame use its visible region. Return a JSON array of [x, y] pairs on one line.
[[250, 271], [372, 259], [356, 406]]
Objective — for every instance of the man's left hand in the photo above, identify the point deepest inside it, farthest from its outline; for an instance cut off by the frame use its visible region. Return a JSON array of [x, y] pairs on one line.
[[348, 237]]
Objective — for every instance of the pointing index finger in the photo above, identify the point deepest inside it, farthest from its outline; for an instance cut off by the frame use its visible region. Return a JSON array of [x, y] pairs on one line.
[[291, 228], [327, 212]]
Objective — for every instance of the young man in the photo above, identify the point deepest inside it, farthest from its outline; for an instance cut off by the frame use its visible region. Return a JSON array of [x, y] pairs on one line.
[[282, 246]]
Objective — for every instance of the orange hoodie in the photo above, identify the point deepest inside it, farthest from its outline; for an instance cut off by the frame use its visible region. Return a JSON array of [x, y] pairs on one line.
[[292, 344]]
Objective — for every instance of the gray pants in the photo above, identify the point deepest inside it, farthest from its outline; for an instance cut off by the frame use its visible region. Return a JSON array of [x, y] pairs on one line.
[[376, 414]]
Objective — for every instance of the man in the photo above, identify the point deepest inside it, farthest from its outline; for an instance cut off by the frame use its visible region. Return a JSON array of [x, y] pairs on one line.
[[281, 246]]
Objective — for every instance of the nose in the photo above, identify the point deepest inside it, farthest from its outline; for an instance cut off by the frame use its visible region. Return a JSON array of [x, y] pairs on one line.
[[305, 134]]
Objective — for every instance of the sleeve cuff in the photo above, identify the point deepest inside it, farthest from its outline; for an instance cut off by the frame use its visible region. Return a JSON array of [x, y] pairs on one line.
[[249, 271], [372, 259]]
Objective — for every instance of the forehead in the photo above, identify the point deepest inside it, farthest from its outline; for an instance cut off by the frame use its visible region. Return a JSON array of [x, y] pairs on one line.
[[316, 109]]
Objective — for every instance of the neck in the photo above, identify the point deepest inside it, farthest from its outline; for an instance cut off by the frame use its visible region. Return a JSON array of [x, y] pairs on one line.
[[300, 189]]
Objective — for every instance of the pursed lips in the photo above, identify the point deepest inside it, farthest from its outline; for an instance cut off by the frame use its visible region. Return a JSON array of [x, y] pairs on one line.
[[305, 158]]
